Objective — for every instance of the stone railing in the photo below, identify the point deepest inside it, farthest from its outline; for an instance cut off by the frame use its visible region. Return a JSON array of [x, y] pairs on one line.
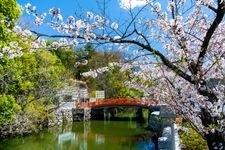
[[167, 140]]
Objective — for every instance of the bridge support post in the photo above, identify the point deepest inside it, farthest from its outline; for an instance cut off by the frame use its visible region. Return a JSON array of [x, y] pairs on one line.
[[107, 114], [87, 114], [139, 114], [113, 112]]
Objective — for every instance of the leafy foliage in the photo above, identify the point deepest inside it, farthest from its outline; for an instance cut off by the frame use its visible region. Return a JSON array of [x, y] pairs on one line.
[[110, 81], [32, 74], [8, 107], [9, 11], [67, 57], [87, 53], [192, 140], [37, 111]]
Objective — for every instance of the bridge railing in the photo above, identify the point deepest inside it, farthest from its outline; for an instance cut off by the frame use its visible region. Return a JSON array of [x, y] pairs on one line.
[[119, 101]]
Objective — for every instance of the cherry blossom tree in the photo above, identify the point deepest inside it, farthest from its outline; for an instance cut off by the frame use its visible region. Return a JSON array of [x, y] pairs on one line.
[[178, 47]]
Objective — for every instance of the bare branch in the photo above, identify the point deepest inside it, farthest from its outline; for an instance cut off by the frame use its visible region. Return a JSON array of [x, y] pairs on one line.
[[166, 62], [212, 65], [211, 30], [194, 36], [137, 57], [212, 8], [52, 36]]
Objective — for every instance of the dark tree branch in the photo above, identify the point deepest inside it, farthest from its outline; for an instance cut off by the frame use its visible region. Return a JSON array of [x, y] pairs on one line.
[[166, 62], [137, 57], [210, 32], [132, 20], [212, 8], [194, 36], [54, 36]]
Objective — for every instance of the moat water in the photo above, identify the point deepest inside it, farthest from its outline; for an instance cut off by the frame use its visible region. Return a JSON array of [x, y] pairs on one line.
[[92, 135]]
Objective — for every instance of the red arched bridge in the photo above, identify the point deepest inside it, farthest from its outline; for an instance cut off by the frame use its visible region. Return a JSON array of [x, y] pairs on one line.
[[115, 102]]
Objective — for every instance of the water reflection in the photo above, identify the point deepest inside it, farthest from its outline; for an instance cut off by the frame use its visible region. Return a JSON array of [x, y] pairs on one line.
[[66, 137], [93, 135]]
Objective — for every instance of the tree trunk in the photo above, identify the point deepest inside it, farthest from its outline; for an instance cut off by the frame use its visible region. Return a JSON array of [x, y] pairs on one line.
[[216, 140]]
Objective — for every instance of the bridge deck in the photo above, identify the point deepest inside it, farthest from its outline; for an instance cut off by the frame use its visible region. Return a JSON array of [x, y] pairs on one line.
[[115, 102]]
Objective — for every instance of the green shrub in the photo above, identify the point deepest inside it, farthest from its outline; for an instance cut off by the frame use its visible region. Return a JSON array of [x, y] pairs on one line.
[[8, 107], [191, 140]]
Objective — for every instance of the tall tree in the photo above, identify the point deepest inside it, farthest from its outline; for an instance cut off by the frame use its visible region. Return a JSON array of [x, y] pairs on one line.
[[9, 11]]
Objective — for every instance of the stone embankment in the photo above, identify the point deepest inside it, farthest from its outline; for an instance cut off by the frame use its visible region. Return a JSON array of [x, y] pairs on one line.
[[60, 116], [26, 124], [23, 125]]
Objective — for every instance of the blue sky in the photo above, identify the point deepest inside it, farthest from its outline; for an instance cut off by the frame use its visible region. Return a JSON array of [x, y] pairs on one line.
[[114, 11], [68, 8]]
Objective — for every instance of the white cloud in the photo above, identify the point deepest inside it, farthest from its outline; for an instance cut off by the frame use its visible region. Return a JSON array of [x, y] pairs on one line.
[[130, 4]]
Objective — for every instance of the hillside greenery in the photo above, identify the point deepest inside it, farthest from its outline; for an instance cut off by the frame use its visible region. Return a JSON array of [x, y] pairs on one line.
[[28, 83]]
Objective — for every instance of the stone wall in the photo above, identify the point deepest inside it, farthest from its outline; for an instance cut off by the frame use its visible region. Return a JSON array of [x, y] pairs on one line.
[[23, 125], [60, 116]]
